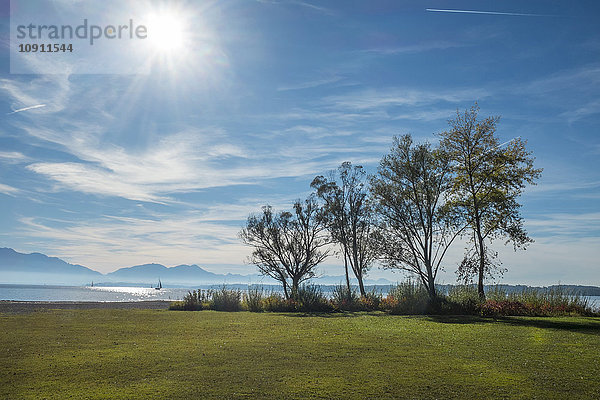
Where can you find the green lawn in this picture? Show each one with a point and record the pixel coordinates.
(169, 355)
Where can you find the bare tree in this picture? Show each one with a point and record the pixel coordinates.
(288, 245)
(349, 217)
(489, 177)
(410, 190)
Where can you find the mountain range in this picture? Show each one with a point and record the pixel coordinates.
(39, 269)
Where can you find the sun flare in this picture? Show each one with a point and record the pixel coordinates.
(166, 32)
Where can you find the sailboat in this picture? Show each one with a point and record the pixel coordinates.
(159, 285)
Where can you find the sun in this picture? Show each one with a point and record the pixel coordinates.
(166, 32)
(180, 39)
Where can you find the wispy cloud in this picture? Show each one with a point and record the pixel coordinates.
(370, 99)
(89, 179)
(572, 187)
(585, 78)
(580, 85)
(304, 4)
(12, 157)
(310, 84)
(184, 162)
(188, 159)
(160, 166)
(315, 132)
(8, 190)
(566, 224)
(415, 48)
(487, 12)
(111, 242)
(312, 6)
(552, 260)
(584, 111)
(555, 256)
(48, 93)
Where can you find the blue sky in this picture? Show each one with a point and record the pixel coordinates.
(258, 97)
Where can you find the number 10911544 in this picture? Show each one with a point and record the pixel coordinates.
(45, 48)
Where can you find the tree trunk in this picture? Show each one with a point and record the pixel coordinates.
(431, 284)
(361, 286)
(481, 269)
(347, 276)
(295, 285)
(285, 290)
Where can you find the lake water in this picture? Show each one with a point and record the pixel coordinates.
(594, 301)
(111, 294)
(81, 293)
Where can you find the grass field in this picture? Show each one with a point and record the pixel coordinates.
(161, 354)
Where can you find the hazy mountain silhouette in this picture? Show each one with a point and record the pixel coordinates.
(17, 267)
(37, 268)
(176, 275)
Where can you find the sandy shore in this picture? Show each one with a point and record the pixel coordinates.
(30, 306)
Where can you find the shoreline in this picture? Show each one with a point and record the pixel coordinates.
(18, 306)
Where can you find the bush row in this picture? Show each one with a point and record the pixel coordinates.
(407, 298)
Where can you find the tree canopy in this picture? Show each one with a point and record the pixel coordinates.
(411, 191)
(489, 176)
(350, 217)
(287, 246)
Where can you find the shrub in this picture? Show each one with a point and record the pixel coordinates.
(535, 302)
(344, 299)
(195, 300)
(176, 306)
(226, 299)
(388, 303)
(463, 299)
(311, 298)
(554, 297)
(276, 303)
(406, 298)
(496, 293)
(493, 308)
(253, 299)
(528, 302)
(370, 301)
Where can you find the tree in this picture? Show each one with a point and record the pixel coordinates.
(488, 180)
(288, 245)
(411, 189)
(349, 217)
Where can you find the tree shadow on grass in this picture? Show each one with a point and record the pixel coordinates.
(343, 314)
(587, 325)
(458, 319)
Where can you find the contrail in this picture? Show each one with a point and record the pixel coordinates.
(507, 142)
(27, 108)
(500, 145)
(487, 12)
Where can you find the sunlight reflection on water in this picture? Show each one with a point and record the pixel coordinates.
(123, 289)
(82, 293)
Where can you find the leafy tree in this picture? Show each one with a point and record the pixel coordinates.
(349, 217)
(489, 177)
(411, 189)
(335, 199)
(288, 245)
